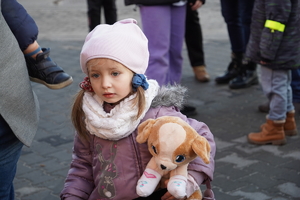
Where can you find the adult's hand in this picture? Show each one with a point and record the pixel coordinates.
(196, 5)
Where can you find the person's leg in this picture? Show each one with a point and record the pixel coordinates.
(10, 149)
(231, 15)
(295, 84)
(194, 44)
(296, 89)
(275, 84)
(247, 73)
(246, 7)
(20, 23)
(94, 13)
(110, 11)
(193, 37)
(42, 69)
(178, 14)
(158, 18)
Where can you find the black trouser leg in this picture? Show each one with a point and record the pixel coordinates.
(110, 11)
(94, 13)
(193, 38)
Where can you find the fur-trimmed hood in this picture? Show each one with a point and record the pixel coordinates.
(170, 95)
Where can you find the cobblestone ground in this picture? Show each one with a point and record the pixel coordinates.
(243, 171)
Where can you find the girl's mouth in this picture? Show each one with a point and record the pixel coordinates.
(108, 95)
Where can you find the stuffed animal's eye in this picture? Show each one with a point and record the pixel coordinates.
(180, 158)
(154, 149)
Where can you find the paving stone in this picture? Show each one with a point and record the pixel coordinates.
(36, 177)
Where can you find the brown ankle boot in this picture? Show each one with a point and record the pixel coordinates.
(290, 127)
(201, 73)
(272, 132)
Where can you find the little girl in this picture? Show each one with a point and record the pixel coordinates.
(115, 98)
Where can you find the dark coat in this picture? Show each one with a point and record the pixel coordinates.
(280, 49)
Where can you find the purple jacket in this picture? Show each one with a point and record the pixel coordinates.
(104, 169)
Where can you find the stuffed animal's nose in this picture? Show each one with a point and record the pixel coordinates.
(163, 167)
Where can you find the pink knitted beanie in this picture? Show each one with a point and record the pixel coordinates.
(123, 41)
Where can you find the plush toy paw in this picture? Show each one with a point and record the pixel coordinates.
(177, 186)
(147, 183)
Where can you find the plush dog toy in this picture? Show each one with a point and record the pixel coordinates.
(173, 144)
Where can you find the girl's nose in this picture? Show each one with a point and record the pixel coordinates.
(105, 82)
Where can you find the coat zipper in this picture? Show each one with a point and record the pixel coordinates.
(137, 153)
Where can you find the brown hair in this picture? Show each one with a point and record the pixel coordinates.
(78, 115)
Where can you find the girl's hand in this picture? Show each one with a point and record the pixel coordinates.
(168, 196)
(196, 5)
(263, 62)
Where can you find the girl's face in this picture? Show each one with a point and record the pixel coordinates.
(111, 81)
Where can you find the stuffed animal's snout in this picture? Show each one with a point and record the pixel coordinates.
(167, 167)
(165, 164)
(163, 167)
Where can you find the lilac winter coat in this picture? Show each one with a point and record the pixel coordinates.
(105, 169)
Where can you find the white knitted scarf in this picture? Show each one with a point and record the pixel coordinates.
(121, 121)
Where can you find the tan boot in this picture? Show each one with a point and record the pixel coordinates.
(201, 73)
(272, 132)
(290, 127)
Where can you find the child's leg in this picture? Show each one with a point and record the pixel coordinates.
(276, 86)
(40, 67)
(32, 50)
(20, 23)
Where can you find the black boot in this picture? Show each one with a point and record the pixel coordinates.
(43, 70)
(232, 69)
(247, 76)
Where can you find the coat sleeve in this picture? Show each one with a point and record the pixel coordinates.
(278, 12)
(79, 182)
(197, 168)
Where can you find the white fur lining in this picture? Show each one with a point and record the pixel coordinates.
(121, 121)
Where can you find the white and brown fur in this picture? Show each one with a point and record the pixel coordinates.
(171, 136)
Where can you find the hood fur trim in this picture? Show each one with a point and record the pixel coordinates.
(170, 95)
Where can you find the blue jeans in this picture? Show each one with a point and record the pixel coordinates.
(296, 85)
(237, 15)
(10, 150)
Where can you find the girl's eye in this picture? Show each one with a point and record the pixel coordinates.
(95, 75)
(180, 158)
(115, 73)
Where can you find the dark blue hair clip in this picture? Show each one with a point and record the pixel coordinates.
(139, 80)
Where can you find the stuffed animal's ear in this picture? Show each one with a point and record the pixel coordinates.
(202, 148)
(144, 130)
